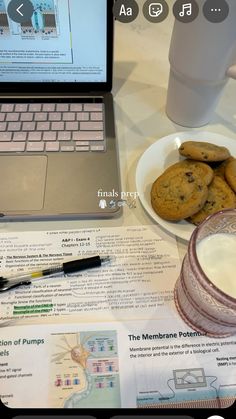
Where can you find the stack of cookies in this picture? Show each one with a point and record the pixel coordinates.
(200, 185)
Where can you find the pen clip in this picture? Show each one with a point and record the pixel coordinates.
(7, 285)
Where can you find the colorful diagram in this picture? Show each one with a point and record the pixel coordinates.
(43, 21)
(85, 370)
(189, 388)
(4, 24)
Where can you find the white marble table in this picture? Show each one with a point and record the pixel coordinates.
(140, 86)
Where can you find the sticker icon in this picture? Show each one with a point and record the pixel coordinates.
(155, 12)
(155, 9)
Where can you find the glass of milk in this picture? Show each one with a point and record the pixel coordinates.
(205, 292)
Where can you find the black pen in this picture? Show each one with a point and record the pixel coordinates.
(67, 268)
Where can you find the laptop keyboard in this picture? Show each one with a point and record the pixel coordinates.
(51, 127)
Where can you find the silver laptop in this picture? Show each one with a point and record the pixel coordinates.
(58, 154)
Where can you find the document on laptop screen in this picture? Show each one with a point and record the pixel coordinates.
(63, 41)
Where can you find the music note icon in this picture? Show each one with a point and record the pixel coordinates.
(186, 10)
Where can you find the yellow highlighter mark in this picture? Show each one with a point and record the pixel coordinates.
(37, 274)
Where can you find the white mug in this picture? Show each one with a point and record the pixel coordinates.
(202, 58)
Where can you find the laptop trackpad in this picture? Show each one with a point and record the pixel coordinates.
(22, 182)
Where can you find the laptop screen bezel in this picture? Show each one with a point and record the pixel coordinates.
(56, 88)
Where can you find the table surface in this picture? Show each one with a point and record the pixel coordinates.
(140, 87)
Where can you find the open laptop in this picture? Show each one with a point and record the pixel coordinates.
(58, 153)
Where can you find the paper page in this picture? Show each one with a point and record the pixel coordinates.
(138, 284)
(83, 365)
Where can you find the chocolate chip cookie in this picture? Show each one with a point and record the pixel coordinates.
(230, 174)
(220, 197)
(197, 150)
(219, 169)
(202, 169)
(178, 194)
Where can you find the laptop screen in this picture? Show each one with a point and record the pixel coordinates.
(56, 41)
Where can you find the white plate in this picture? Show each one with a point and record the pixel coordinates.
(157, 158)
